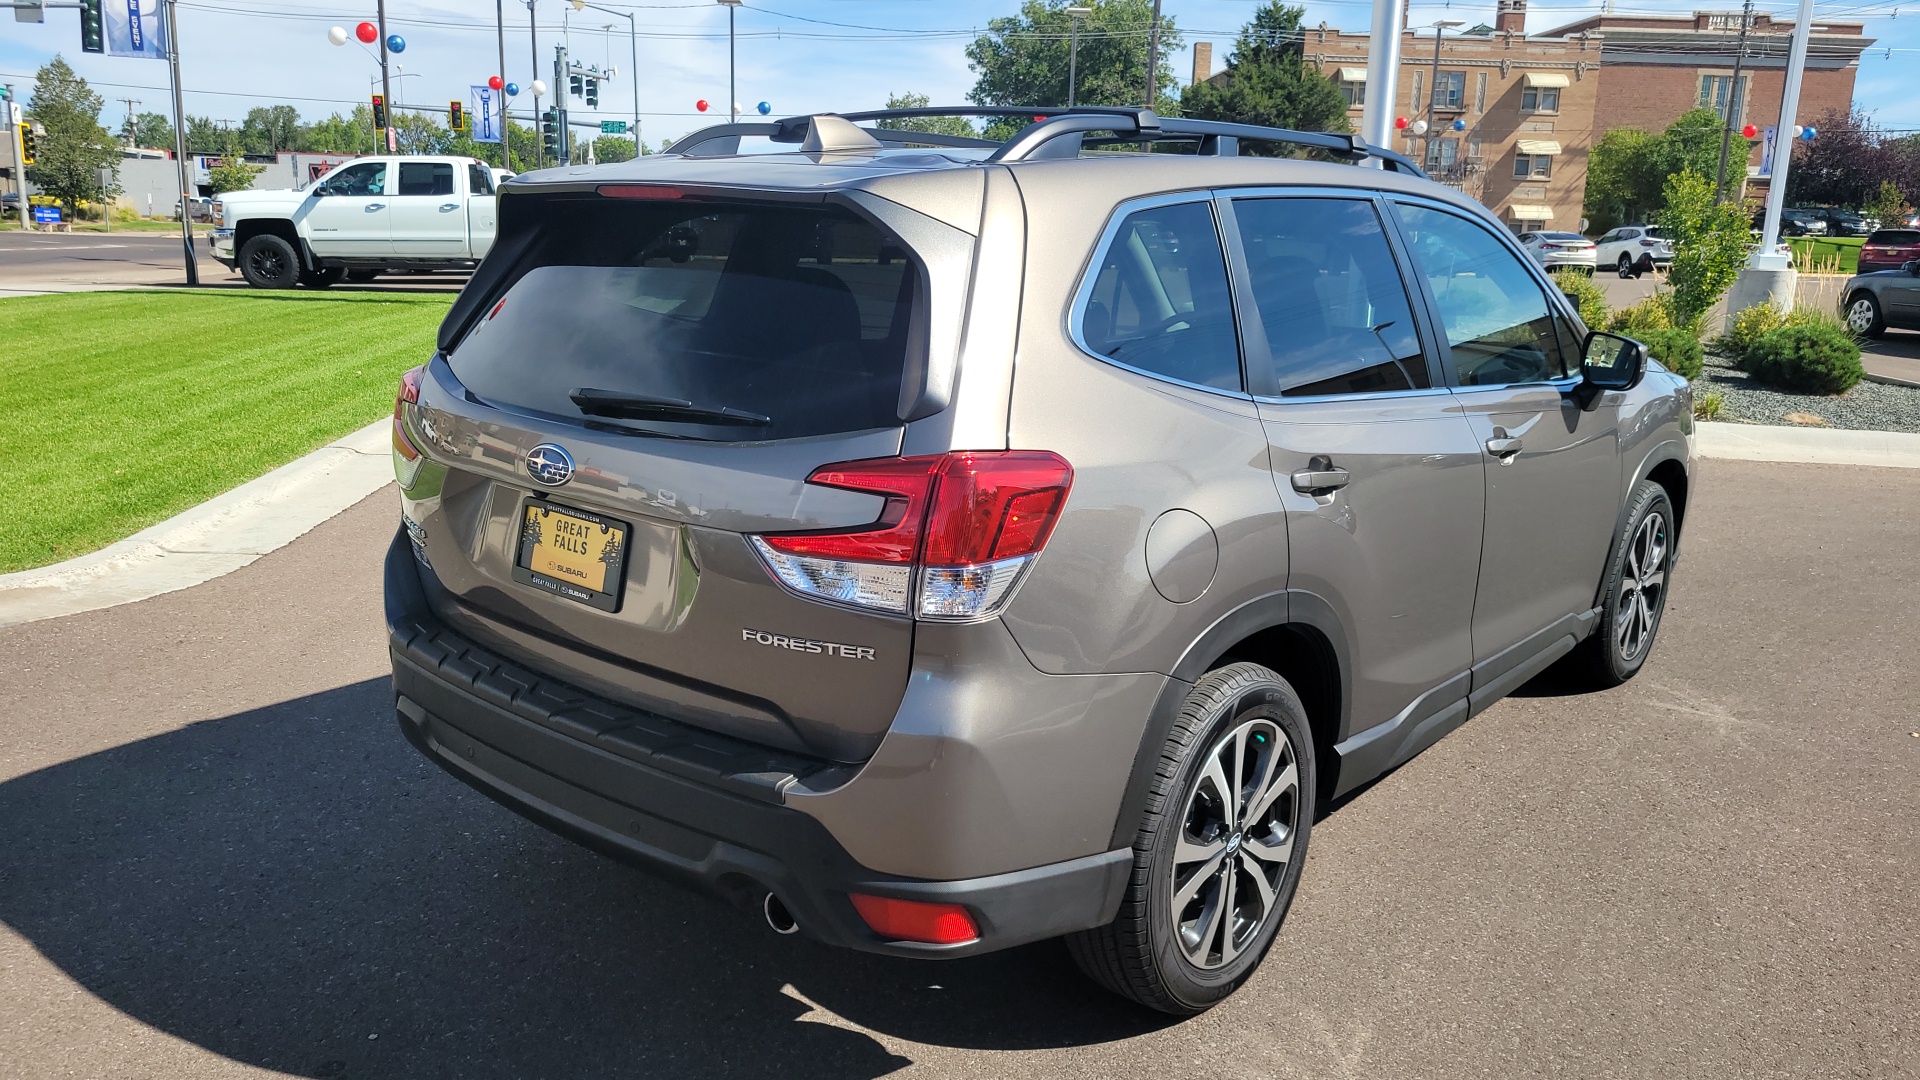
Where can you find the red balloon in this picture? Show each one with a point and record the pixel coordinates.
(367, 32)
(1749, 131)
(701, 104)
(1400, 121)
(495, 82)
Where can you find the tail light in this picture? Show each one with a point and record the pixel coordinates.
(914, 920)
(406, 456)
(1649, 243)
(956, 534)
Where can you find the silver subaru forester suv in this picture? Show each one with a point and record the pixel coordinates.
(939, 544)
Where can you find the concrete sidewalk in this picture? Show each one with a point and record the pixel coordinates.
(1818, 446)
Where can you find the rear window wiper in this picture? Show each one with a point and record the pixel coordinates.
(645, 407)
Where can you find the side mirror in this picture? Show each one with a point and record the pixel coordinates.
(1611, 362)
(1911, 266)
(320, 191)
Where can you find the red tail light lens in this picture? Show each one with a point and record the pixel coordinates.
(972, 520)
(406, 456)
(639, 191)
(911, 920)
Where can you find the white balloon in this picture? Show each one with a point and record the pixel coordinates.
(337, 35)
(539, 88)
(1419, 127)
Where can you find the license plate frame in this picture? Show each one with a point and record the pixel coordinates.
(553, 570)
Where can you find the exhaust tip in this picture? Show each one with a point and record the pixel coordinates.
(778, 917)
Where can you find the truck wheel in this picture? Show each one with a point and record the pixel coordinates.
(268, 262)
(361, 276)
(1219, 850)
(323, 277)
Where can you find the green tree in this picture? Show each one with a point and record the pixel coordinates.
(1023, 59)
(613, 148)
(1267, 82)
(270, 130)
(340, 135)
(149, 129)
(204, 136)
(1709, 244)
(1627, 169)
(75, 147)
(934, 125)
(234, 173)
(1888, 206)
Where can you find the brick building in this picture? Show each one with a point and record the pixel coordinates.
(1529, 106)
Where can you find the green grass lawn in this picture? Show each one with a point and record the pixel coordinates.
(1843, 249)
(121, 409)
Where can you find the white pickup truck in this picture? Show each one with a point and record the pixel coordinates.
(366, 216)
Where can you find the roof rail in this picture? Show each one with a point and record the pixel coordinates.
(1054, 133)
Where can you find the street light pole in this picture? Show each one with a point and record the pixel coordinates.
(633, 44)
(179, 146)
(1153, 57)
(386, 89)
(733, 99)
(500, 29)
(533, 29)
(1767, 256)
(1433, 92)
(1383, 74)
(1073, 51)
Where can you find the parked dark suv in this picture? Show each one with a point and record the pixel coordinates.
(941, 544)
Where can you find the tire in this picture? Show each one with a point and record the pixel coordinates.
(269, 262)
(1641, 567)
(1177, 957)
(1863, 315)
(322, 278)
(1626, 266)
(361, 276)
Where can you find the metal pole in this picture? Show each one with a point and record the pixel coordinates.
(386, 87)
(500, 28)
(1768, 255)
(1073, 61)
(1733, 97)
(179, 144)
(1383, 73)
(1433, 90)
(733, 95)
(565, 140)
(539, 148)
(633, 77)
(14, 116)
(1153, 57)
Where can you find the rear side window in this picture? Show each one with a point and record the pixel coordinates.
(786, 321)
(1160, 302)
(480, 179)
(1330, 297)
(426, 178)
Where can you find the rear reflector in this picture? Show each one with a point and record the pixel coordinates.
(911, 920)
(640, 191)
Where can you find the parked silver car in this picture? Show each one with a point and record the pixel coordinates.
(940, 544)
(1874, 301)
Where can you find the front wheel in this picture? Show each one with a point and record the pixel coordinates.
(1863, 316)
(269, 262)
(1635, 590)
(1219, 851)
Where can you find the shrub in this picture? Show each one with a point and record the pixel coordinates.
(1811, 358)
(1709, 405)
(1747, 328)
(1638, 320)
(1709, 244)
(1676, 348)
(1588, 298)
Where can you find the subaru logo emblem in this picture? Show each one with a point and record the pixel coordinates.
(550, 465)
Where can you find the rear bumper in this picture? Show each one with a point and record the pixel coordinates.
(671, 798)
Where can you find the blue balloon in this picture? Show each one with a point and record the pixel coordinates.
(1806, 134)
(1459, 125)
(396, 43)
(513, 89)
(764, 108)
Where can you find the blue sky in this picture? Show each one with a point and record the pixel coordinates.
(799, 55)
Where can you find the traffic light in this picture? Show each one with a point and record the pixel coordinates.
(28, 148)
(456, 117)
(380, 112)
(593, 93)
(550, 132)
(573, 85)
(93, 34)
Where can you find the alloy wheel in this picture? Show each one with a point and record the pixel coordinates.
(1860, 316)
(1236, 839)
(1643, 587)
(267, 264)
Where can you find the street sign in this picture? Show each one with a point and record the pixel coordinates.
(613, 127)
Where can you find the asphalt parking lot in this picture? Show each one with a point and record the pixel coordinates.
(218, 858)
(33, 261)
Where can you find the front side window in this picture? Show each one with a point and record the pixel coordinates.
(1330, 297)
(480, 179)
(365, 179)
(1160, 301)
(1499, 325)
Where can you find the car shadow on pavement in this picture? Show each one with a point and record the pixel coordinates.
(296, 888)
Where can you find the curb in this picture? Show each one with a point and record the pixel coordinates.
(1814, 446)
(212, 539)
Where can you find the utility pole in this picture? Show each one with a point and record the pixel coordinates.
(1433, 91)
(1153, 57)
(1073, 52)
(733, 95)
(386, 86)
(533, 30)
(506, 137)
(179, 144)
(130, 103)
(1383, 75)
(1734, 98)
(564, 141)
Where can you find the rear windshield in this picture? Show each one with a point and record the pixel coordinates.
(1895, 236)
(1561, 236)
(788, 321)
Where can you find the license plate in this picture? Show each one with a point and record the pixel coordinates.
(579, 555)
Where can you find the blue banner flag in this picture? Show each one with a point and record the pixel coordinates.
(487, 117)
(135, 28)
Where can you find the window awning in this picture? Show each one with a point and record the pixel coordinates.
(1353, 74)
(1541, 78)
(1530, 212)
(1545, 147)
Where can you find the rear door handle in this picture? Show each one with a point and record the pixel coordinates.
(1321, 478)
(371, 207)
(1504, 447)
(446, 206)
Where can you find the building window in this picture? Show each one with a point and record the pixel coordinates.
(1442, 153)
(1718, 91)
(1419, 81)
(1480, 93)
(1450, 90)
(1532, 166)
(1473, 147)
(1527, 225)
(1540, 99)
(1355, 93)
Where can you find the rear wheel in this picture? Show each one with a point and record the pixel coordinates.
(269, 262)
(1863, 315)
(1626, 266)
(1635, 593)
(1219, 851)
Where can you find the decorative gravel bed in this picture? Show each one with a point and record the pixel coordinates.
(1869, 406)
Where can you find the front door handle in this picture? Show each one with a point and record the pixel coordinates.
(1319, 477)
(446, 206)
(371, 207)
(1503, 447)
